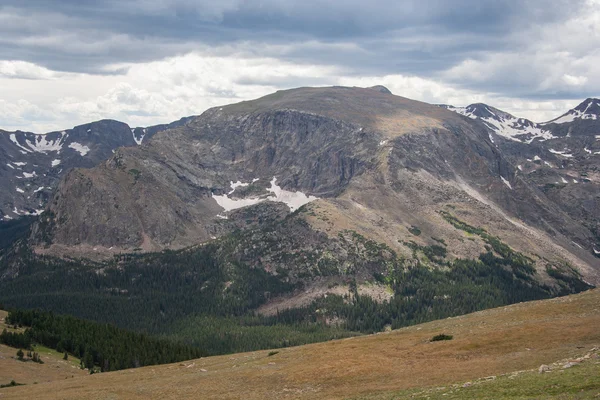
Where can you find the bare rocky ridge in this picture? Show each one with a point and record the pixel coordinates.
(560, 158)
(33, 164)
(379, 164)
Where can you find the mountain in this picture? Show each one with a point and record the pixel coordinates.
(503, 123)
(305, 215)
(34, 163)
(356, 159)
(559, 157)
(588, 110)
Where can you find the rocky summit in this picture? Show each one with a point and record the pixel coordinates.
(307, 171)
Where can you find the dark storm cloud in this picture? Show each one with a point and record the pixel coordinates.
(419, 37)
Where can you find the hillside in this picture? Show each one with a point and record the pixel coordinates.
(53, 368)
(489, 343)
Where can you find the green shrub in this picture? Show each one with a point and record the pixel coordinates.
(414, 230)
(441, 336)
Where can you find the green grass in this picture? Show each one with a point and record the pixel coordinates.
(46, 351)
(579, 382)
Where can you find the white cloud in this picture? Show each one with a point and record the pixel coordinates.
(164, 91)
(545, 59)
(155, 92)
(575, 80)
(25, 70)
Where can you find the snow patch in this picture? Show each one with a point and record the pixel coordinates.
(561, 153)
(78, 147)
(537, 158)
(55, 162)
(38, 189)
(141, 139)
(506, 125)
(235, 185)
(564, 180)
(13, 139)
(506, 182)
(10, 166)
(29, 175)
(20, 164)
(572, 115)
(41, 144)
(382, 142)
(20, 190)
(293, 200)
(520, 167)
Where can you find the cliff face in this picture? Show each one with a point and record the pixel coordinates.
(359, 159)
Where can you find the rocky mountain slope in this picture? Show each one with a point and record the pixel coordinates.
(560, 157)
(32, 164)
(348, 163)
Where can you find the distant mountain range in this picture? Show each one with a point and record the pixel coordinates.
(524, 130)
(32, 164)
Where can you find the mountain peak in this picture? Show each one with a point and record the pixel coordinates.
(590, 106)
(381, 88)
(503, 123)
(589, 109)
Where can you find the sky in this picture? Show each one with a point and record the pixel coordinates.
(144, 62)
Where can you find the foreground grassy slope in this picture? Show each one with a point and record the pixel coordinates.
(53, 368)
(385, 365)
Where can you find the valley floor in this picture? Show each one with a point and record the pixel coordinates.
(398, 364)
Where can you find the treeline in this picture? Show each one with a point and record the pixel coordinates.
(206, 297)
(424, 294)
(97, 345)
(146, 293)
(225, 335)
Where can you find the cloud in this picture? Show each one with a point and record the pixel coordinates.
(25, 70)
(150, 61)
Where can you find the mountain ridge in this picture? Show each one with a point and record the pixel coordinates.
(35, 162)
(375, 162)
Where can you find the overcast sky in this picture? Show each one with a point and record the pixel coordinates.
(67, 62)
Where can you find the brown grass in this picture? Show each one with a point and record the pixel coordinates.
(491, 342)
(54, 367)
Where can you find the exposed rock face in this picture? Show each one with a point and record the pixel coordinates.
(560, 158)
(32, 164)
(377, 163)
